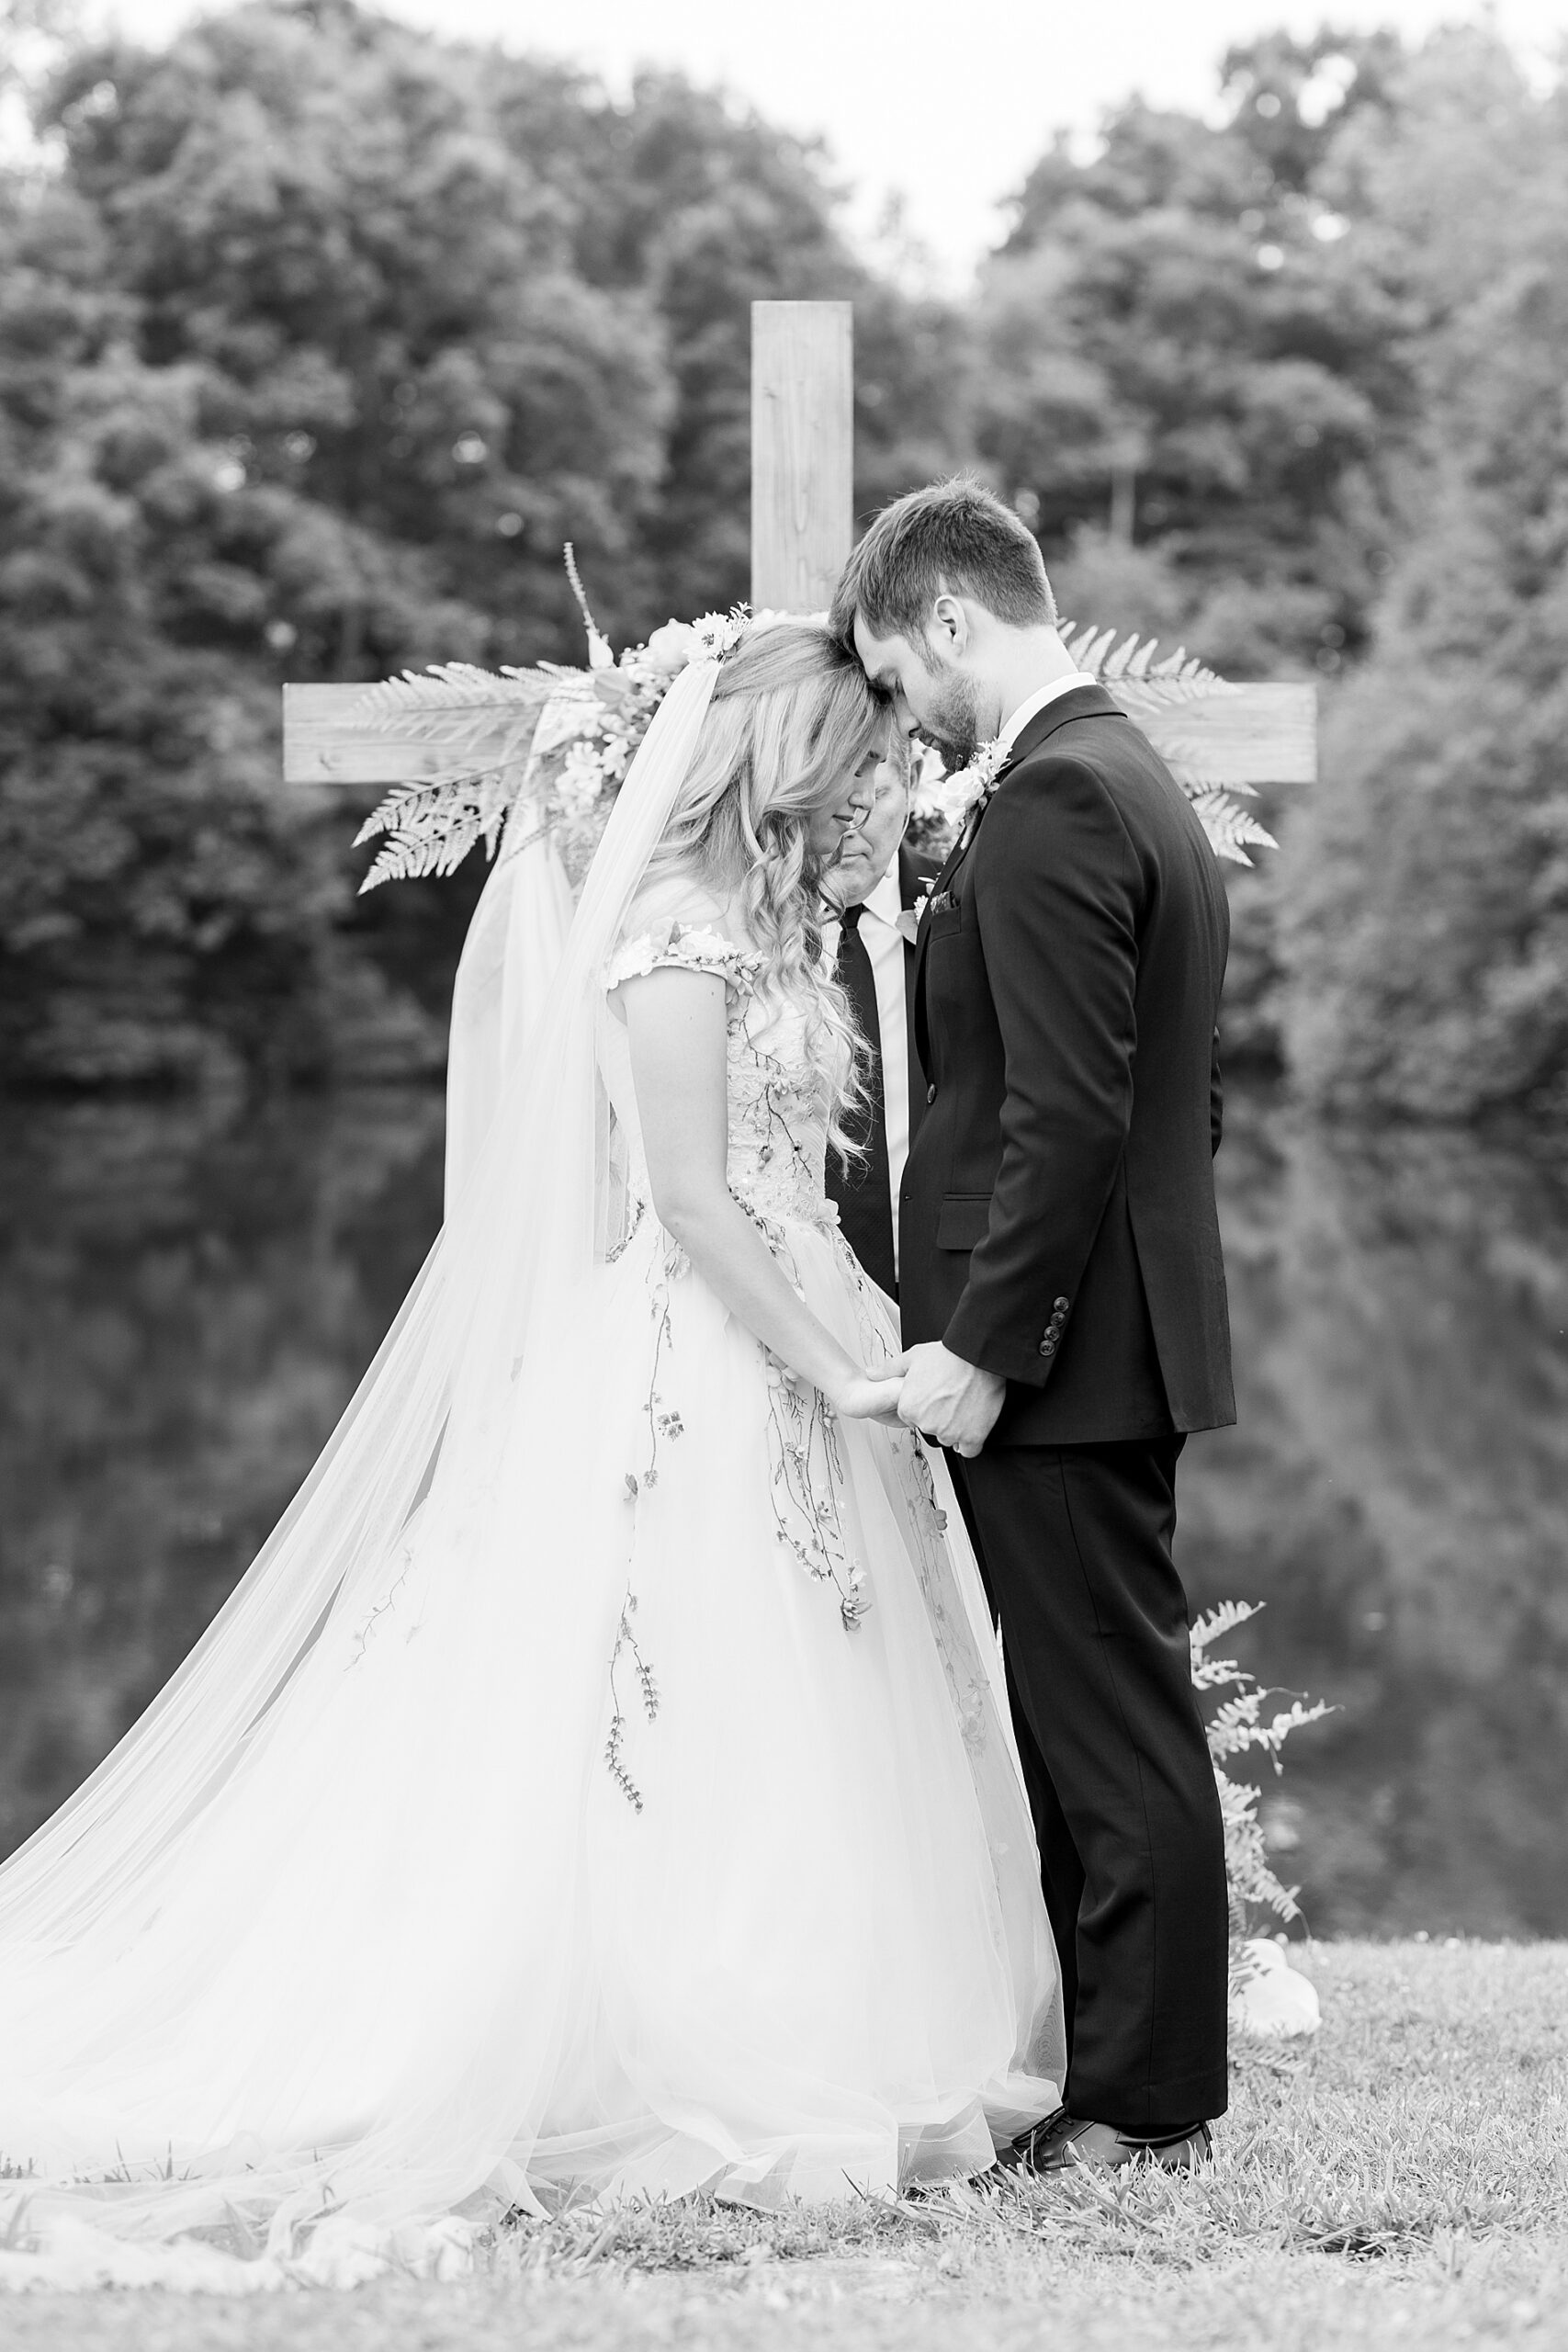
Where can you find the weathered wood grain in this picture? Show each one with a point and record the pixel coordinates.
(1263, 734)
(802, 452)
(1253, 734)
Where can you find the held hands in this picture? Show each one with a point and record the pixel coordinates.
(863, 1396)
(947, 1399)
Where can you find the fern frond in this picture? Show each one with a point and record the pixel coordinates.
(1092, 647)
(1218, 1674)
(458, 686)
(478, 716)
(1215, 1624)
(1142, 684)
(1235, 1727)
(1230, 828)
(1148, 690)
(432, 826)
(1252, 1882)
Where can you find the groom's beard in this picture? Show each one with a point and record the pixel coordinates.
(951, 722)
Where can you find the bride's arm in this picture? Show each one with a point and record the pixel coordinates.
(675, 1028)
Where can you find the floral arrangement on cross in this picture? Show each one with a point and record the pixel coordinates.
(548, 746)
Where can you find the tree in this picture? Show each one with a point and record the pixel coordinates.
(1427, 888)
(323, 338)
(1184, 349)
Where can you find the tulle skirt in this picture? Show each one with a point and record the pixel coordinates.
(652, 1825)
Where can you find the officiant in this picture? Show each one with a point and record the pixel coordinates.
(875, 885)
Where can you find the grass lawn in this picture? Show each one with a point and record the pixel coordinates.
(1403, 2179)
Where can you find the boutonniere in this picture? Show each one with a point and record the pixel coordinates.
(909, 917)
(947, 801)
(979, 780)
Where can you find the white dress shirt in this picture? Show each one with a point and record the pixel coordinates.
(885, 946)
(1008, 733)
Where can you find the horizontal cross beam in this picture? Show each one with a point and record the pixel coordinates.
(1262, 734)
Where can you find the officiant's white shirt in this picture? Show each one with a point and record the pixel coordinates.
(885, 946)
(1012, 729)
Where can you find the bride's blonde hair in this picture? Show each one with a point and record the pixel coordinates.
(790, 719)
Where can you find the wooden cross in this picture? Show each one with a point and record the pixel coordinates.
(802, 529)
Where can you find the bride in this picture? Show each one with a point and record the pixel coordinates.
(601, 1783)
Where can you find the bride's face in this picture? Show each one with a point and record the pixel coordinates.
(830, 826)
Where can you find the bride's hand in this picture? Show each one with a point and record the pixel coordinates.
(873, 1395)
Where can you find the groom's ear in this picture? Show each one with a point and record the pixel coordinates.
(948, 627)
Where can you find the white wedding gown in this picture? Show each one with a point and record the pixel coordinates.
(651, 1824)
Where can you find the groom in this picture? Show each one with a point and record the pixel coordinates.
(1062, 1287)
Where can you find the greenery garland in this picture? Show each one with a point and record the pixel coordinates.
(555, 742)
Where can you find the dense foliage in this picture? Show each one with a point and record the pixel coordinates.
(318, 336)
(1427, 895)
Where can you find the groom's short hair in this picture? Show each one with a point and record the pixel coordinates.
(953, 534)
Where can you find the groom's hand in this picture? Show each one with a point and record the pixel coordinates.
(947, 1399)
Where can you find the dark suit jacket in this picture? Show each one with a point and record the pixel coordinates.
(1057, 1219)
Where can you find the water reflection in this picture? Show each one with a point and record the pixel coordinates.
(1397, 1492)
(187, 1295)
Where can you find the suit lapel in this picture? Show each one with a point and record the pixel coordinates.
(914, 875)
(1082, 702)
(917, 973)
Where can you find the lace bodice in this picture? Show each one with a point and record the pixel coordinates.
(779, 1096)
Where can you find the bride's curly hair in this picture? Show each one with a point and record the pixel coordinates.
(791, 717)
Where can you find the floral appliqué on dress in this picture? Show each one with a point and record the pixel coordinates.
(778, 1108)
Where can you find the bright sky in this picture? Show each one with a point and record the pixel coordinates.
(947, 102)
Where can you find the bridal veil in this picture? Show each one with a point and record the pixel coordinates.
(352, 1675)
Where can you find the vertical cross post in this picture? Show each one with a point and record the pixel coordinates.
(802, 520)
(802, 452)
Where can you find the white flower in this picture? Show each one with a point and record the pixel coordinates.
(582, 778)
(720, 633)
(670, 649)
(950, 800)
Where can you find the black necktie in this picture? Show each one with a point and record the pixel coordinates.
(861, 1191)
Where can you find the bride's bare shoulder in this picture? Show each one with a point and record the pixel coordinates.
(677, 899)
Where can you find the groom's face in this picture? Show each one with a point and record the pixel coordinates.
(933, 696)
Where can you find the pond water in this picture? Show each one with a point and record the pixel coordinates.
(189, 1292)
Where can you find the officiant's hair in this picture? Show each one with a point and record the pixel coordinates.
(953, 534)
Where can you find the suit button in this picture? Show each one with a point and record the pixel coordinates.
(931, 1094)
(1047, 1347)
(1061, 1304)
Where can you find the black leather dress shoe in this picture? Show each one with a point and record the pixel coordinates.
(1063, 2141)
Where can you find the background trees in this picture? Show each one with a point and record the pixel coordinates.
(1180, 352)
(1426, 893)
(318, 337)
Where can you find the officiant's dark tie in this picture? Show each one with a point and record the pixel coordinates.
(865, 1204)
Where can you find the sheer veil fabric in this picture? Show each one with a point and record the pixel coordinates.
(287, 1984)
